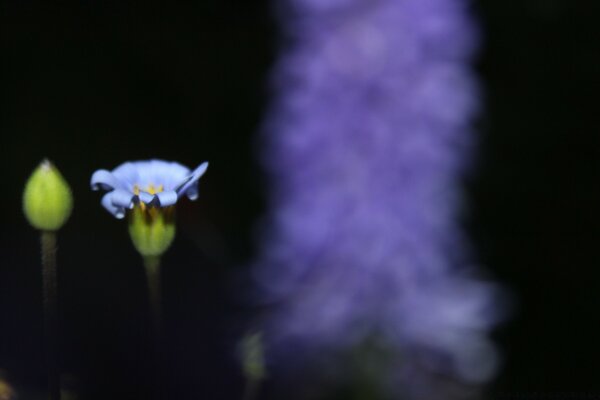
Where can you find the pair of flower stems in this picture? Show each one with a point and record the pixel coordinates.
(147, 189)
(148, 192)
(50, 306)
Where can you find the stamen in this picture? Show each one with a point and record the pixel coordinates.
(150, 189)
(154, 189)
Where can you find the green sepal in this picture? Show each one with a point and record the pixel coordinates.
(152, 229)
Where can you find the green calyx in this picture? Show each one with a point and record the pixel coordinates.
(47, 199)
(152, 229)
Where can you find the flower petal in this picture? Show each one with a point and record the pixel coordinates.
(152, 172)
(167, 198)
(123, 198)
(192, 192)
(146, 197)
(127, 172)
(105, 180)
(126, 180)
(107, 203)
(168, 174)
(192, 179)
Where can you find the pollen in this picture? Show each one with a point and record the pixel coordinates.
(150, 189)
(154, 189)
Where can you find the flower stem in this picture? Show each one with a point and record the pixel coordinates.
(50, 304)
(251, 389)
(152, 266)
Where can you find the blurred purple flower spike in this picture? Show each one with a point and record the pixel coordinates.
(156, 183)
(366, 145)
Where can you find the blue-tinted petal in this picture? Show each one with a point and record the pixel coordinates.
(173, 178)
(146, 197)
(169, 174)
(105, 180)
(167, 198)
(152, 172)
(193, 178)
(123, 198)
(192, 192)
(127, 173)
(107, 203)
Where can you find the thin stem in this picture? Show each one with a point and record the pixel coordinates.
(152, 266)
(251, 389)
(49, 282)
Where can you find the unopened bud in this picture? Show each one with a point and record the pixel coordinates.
(47, 199)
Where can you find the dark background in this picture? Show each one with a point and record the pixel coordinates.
(91, 84)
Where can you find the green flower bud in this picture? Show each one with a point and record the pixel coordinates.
(152, 229)
(47, 199)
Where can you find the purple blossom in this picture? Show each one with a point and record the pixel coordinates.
(366, 145)
(155, 183)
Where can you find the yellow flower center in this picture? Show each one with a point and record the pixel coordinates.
(151, 189)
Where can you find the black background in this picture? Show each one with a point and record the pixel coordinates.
(91, 84)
